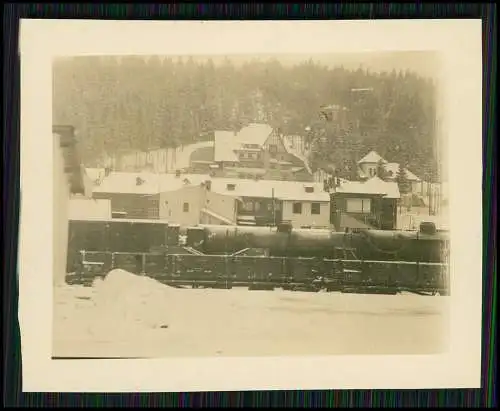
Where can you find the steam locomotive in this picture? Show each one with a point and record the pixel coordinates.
(426, 245)
(216, 255)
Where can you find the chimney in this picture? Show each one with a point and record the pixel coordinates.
(208, 185)
(107, 171)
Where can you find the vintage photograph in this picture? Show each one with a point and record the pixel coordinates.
(249, 205)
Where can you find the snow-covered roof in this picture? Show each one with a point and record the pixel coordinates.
(393, 169)
(374, 186)
(155, 183)
(227, 142)
(151, 183)
(283, 190)
(254, 133)
(372, 157)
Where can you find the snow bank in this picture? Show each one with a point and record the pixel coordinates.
(133, 299)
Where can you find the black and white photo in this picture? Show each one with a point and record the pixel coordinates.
(245, 204)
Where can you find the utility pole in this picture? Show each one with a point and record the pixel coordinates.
(429, 191)
(274, 208)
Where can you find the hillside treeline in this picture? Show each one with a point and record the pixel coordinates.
(146, 103)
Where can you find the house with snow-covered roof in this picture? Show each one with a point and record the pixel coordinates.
(369, 165)
(258, 150)
(269, 202)
(365, 204)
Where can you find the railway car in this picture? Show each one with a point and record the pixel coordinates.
(118, 236)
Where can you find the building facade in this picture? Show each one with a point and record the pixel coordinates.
(270, 202)
(370, 204)
(257, 151)
(68, 179)
(193, 205)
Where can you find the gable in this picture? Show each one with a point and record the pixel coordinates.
(275, 139)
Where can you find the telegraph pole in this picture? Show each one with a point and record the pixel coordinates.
(274, 208)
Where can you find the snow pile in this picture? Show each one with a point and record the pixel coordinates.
(127, 298)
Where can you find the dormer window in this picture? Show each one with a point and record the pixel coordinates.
(231, 187)
(309, 189)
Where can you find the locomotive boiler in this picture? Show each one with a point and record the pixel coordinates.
(425, 245)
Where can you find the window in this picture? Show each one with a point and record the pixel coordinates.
(309, 189)
(315, 208)
(185, 207)
(153, 209)
(231, 187)
(297, 208)
(273, 148)
(358, 205)
(372, 172)
(247, 206)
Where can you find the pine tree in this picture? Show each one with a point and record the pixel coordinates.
(402, 180)
(133, 103)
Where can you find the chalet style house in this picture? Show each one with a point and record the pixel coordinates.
(259, 152)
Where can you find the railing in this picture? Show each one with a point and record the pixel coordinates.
(252, 271)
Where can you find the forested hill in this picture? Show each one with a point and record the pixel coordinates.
(146, 103)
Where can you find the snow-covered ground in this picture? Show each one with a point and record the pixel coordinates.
(130, 316)
(410, 220)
